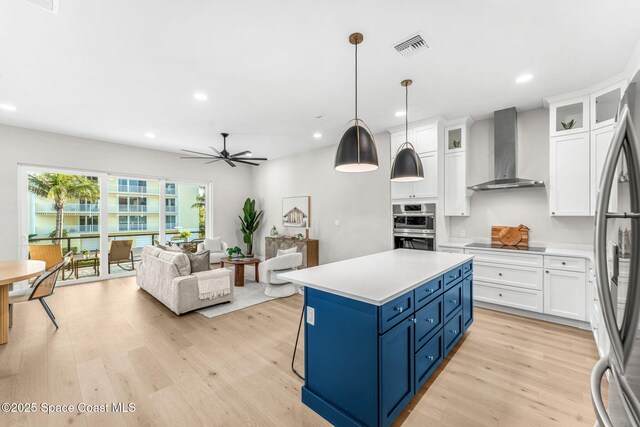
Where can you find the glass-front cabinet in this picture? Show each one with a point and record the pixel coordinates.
(604, 106)
(455, 138)
(569, 117)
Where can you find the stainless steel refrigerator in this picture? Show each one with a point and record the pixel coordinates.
(620, 310)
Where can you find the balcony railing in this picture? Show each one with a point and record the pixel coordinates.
(171, 226)
(83, 228)
(134, 208)
(68, 208)
(138, 189)
(170, 208)
(132, 227)
(170, 191)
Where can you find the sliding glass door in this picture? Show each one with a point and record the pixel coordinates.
(105, 220)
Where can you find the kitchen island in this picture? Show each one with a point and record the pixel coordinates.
(376, 327)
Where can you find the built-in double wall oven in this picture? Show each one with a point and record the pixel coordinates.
(414, 226)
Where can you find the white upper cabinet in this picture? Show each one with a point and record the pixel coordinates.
(455, 138)
(569, 117)
(456, 202)
(604, 105)
(569, 173)
(600, 141)
(426, 138)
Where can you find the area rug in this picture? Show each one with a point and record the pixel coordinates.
(251, 293)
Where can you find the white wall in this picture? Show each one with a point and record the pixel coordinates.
(21, 146)
(361, 202)
(528, 206)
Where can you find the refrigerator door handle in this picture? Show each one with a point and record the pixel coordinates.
(621, 340)
(596, 392)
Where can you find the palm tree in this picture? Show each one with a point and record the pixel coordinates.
(200, 205)
(61, 188)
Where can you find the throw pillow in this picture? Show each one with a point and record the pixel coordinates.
(199, 261)
(281, 252)
(213, 245)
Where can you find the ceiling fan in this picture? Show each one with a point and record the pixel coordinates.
(224, 155)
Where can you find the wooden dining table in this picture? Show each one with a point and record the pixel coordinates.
(12, 272)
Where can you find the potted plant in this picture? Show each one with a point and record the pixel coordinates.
(184, 235)
(234, 252)
(85, 253)
(250, 222)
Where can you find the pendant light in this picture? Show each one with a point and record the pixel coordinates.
(357, 150)
(407, 165)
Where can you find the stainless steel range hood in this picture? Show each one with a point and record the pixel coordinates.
(506, 155)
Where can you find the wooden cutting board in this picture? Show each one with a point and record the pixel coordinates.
(510, 236)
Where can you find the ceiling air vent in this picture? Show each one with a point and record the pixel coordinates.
(48, 5)
(411, 46)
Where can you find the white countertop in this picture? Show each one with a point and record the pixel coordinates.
(378, 278)
(580, 252)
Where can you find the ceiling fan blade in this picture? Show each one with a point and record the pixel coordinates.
(212, 161)
(242, 153)
(256, 159)
(216, 151)
(196, 152)
(195, 157)
(229, 163)
(247, 163)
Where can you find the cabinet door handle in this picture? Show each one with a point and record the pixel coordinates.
(547, 271)
(430, 357)
(500, 295)
(415, 320)
(430, 320)
(431, 291)
(553, 213)
(400, 309)
(499, 274)
(454, 331)
(454, 301)
(564, 263)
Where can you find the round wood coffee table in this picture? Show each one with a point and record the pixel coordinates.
(239, 264)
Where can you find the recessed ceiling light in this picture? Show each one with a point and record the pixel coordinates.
(317, 135)
(400, 113)
(524, 78)
(7, 107)
(200, 96)
(150, 135)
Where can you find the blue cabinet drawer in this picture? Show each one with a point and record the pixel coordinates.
(429, 320)
(452, 276)
(427, 292)
(428, 359)
(452, 301)
(395, 311)
(467, 268)
(452, 332)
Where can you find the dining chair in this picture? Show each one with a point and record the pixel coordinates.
(120, 251)
(43, 287)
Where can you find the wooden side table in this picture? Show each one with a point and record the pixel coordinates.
(239, 264)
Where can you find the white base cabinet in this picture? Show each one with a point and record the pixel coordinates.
(564, 294)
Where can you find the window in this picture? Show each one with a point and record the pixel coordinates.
(170, 205)
(190, 208)
(171, 222)
(132, 223)
(132, 204)
(132, 186)
(170, 188)
(88, 224)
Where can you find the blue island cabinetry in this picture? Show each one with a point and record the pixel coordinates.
(364, 363)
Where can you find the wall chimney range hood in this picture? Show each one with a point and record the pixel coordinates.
(506, 155)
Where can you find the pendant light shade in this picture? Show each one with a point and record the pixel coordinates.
(407, 165)
(357, 150)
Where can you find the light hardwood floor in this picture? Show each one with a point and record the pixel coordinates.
(117, 344)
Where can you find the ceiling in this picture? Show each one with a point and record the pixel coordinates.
(115, 70)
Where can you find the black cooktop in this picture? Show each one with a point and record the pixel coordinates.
(508, 248)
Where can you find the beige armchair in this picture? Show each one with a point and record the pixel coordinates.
(216, 247)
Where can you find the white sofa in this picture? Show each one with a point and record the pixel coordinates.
(271, 268)
(166, 275)
(216, 247)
